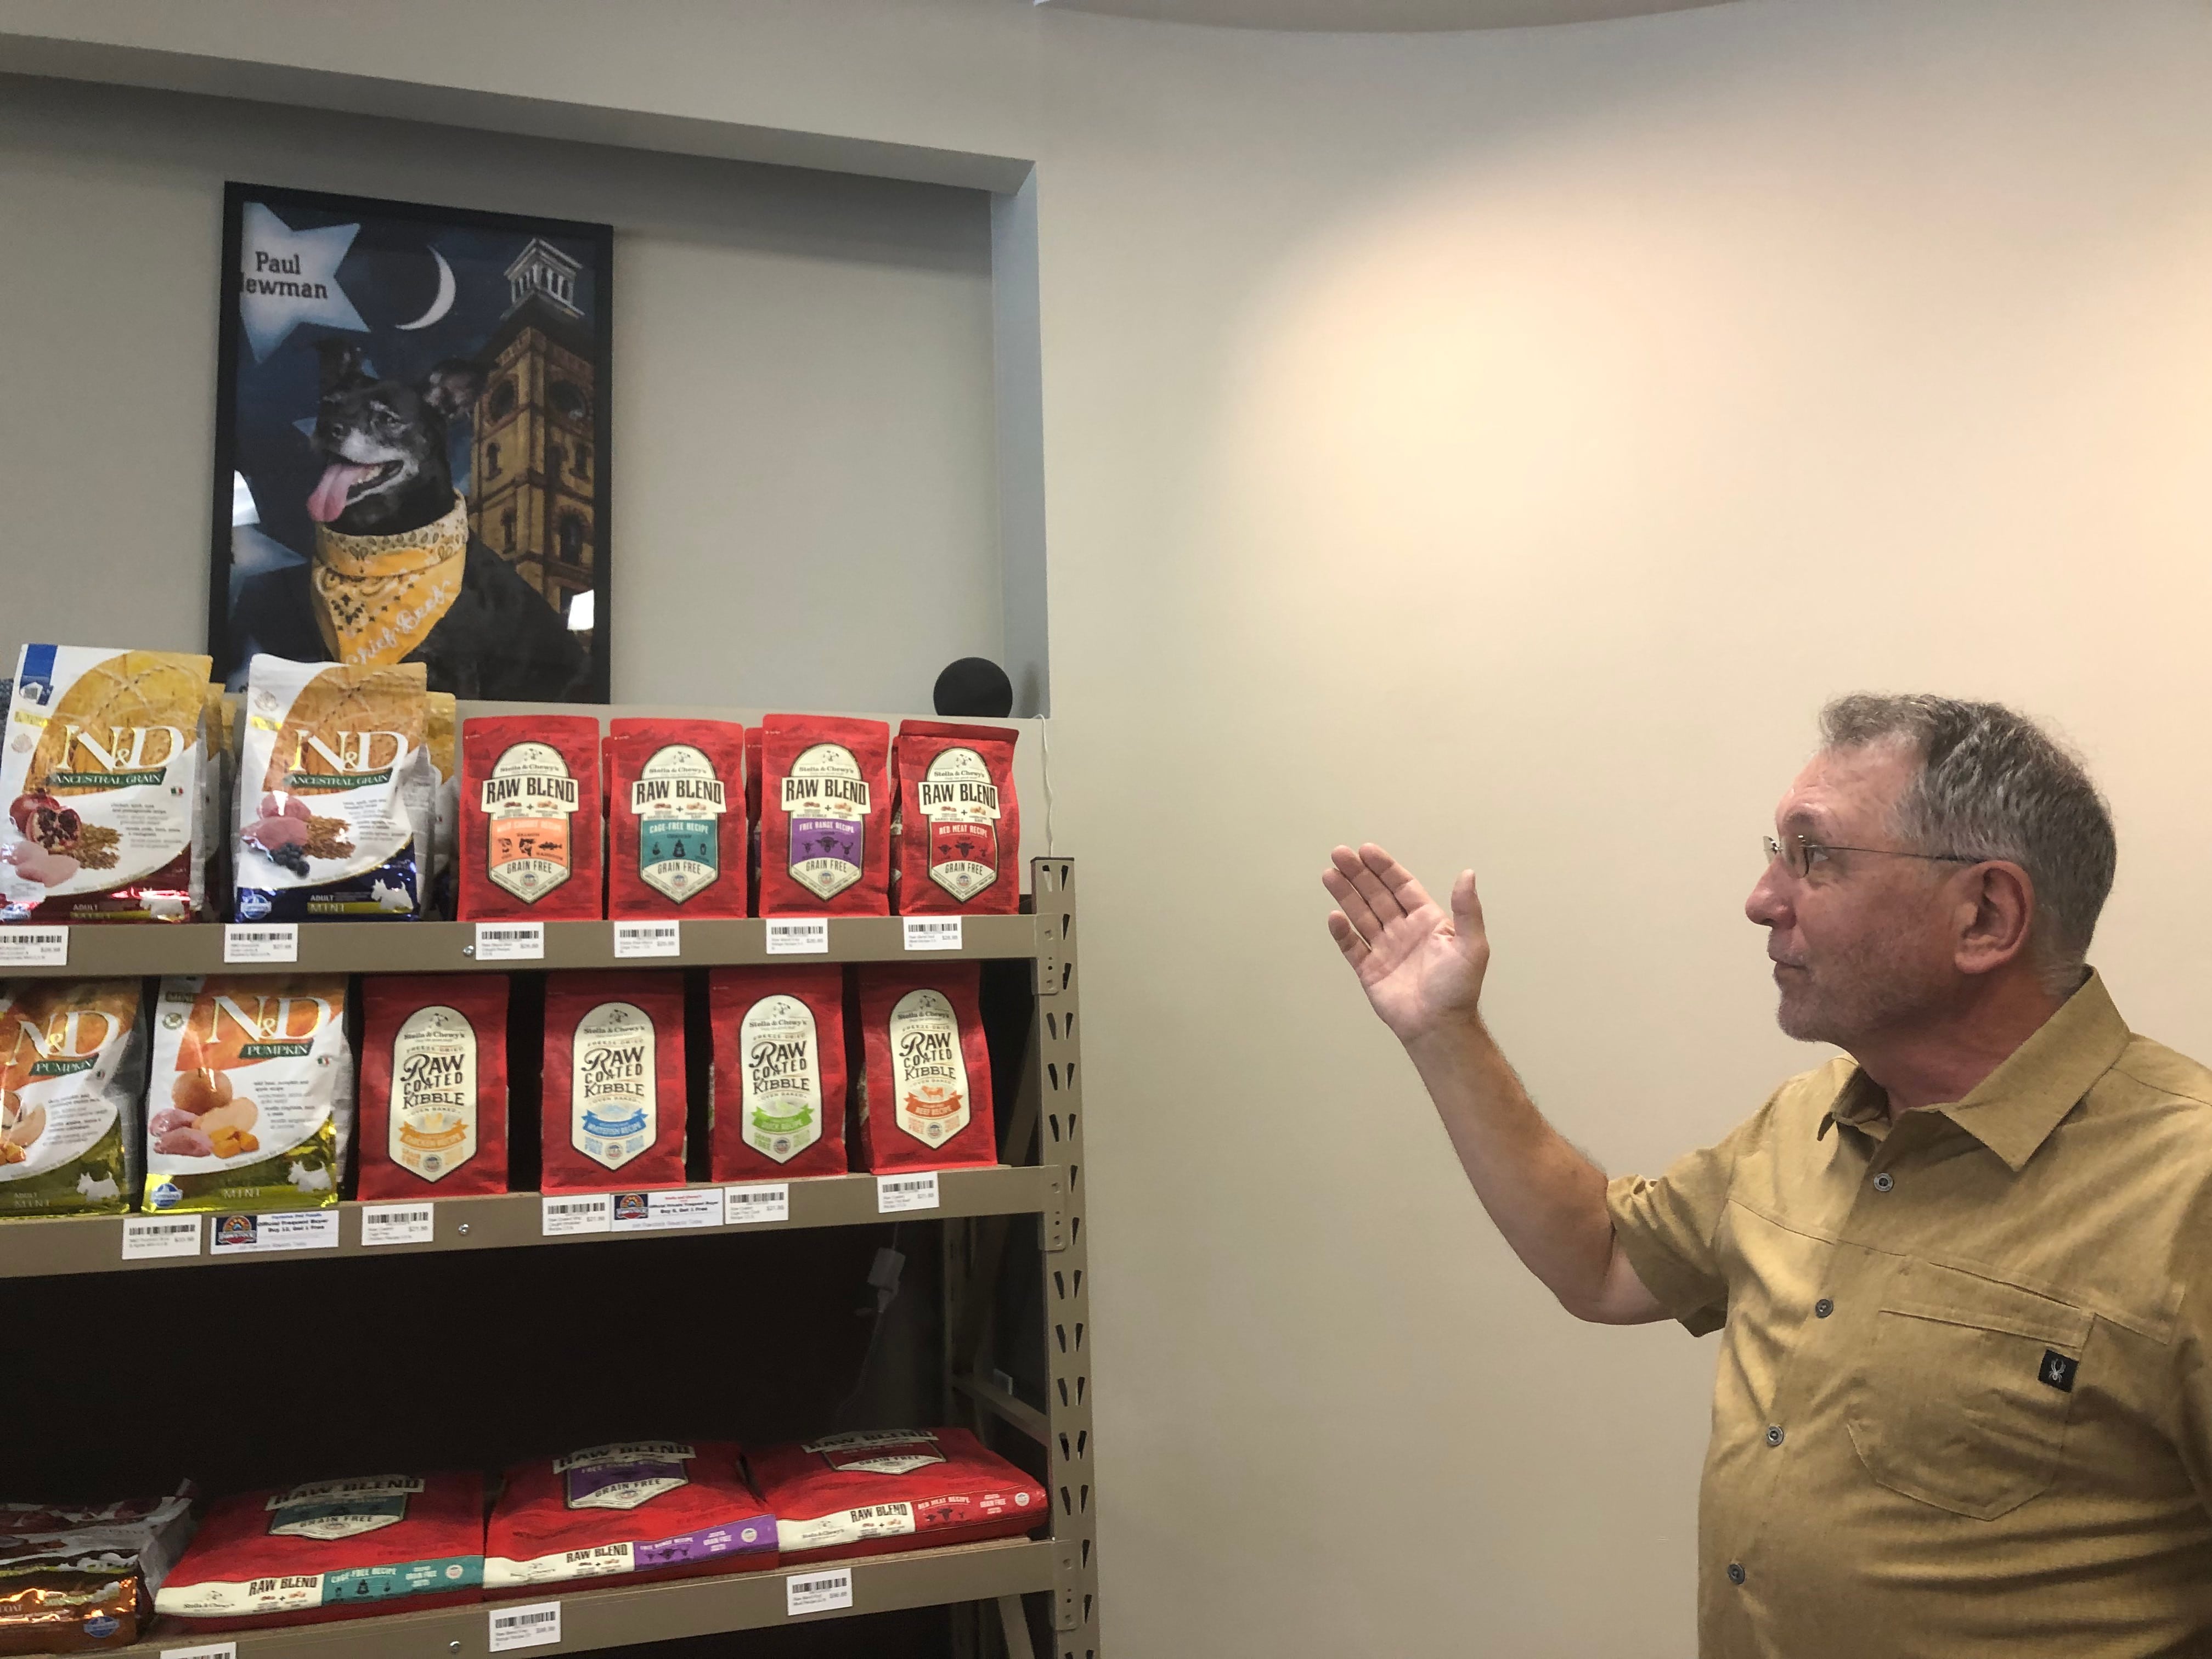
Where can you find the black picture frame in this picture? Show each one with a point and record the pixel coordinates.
(283, 589)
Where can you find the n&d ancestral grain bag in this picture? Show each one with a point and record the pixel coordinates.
(825, 817)
(433, 1086)
(642, 1509)
(530, 818)
(613, 1112)
(81, 1578)
(676, 826)
(251, 1099)
(101, 769)
(72, 1079)
(960, 826)
(779, 1073)
(878, 1490)
(331, 1549)
(925, 1089)
(335, 792)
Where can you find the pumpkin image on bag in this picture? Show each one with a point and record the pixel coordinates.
(433, 1086)
(676, 820)
(825, 817)
(530, 818)
(72, 1073)
(100, 771)
(613, 1117)
(779, 1076)
(925, 1089)
(959, 826)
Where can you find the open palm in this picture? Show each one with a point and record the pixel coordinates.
(1421, 968)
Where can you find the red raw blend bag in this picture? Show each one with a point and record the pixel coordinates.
(633, 1512)
(959, 824)
(779, 1072)
(529, 843)
(331, 1549)
(675, 824)
(880, 1490)
(433, 1086)
(825, 817)
(613, 1113)
(925, 1084)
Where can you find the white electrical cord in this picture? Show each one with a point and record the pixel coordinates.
(1044, 749)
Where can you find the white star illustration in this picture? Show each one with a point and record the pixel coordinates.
(290, 277)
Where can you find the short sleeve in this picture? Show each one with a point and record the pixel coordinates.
(1667, 1227)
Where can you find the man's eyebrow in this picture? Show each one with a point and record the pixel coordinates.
(1804, 821)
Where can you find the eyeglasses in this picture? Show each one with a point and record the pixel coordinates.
(1801, 855)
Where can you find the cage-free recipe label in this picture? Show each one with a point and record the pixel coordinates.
(34, 947)
(825, 1591)
(536, 1626)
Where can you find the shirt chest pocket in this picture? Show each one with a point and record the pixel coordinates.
(1964, 1397)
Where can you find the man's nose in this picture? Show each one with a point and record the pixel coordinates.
(1768, 905)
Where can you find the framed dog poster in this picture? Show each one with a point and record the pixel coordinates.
(411, 444)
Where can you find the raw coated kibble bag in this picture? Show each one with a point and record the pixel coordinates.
(250, 1104)
(331, 1549)
(101, 770)
(825, 817)
(779, 1072)
(81, 1578)
(641, 1510)
(924, 1087)
(72, 1081)
(613, 1113)
(675, 824)
(530, 818)
(335, 793)
(879, 1491)
(433, 1086)
(960, 824)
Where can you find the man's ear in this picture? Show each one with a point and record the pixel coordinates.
(342, 362)
(453, 387)
(1999, 901)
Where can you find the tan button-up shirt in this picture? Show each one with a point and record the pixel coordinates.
(1964, 1405)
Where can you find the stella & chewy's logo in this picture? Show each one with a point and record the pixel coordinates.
(122, 757)
(354, 764)
(529, 799)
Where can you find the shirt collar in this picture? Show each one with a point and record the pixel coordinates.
(2012, 1110)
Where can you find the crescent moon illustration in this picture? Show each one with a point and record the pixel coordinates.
(444, 302)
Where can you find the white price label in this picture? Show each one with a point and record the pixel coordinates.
(575, 1212)
(397, 1224)
(906, 1192)
(280, 1229)
(150, 1237)
(660, 1212)
(763, 1202)
(817, 1592)
(799, 936)
(261, 941)
(933, 933)
(510, 941)
(648, 938)
(34, 947)
(212, 1650)
(537, 1626)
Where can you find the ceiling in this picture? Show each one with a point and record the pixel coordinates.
(1376, 16)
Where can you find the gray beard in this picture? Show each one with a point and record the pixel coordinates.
(1853, 998)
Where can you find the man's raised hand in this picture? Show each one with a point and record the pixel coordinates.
(1421, 968)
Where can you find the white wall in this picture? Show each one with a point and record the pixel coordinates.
(1498, 445)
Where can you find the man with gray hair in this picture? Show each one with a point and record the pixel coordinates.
(1964, 1274)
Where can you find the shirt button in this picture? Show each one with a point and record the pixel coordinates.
(1823, 1308)
(1774, 1434)
(1735, 1572)
(1883, 1183)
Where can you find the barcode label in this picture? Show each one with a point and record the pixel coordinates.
(34, 947)
(511, 941)
(656, 1213)
(799, 936)
(648, 938)
(397, 1224)
(933, 933)
(763, 1202)
(281, 1230)
(817, 1592)
(909, 1192)
(585, 1212)
(267, 941)
(212, 1650)
(150, 1237)
(537, 1626)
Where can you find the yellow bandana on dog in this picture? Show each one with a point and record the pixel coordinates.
(377, 596)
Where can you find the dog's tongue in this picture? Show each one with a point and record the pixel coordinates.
(329, 499)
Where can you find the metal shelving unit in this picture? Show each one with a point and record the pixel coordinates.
(1014, 1260)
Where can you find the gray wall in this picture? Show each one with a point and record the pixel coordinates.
(806, 503)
